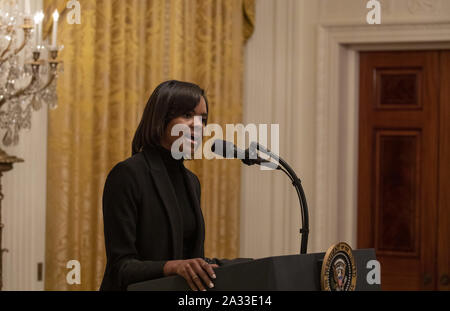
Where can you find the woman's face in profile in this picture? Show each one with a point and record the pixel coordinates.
(199, 114)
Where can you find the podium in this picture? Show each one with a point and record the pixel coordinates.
(282, 273)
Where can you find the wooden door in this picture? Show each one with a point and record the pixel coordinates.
(398, 165)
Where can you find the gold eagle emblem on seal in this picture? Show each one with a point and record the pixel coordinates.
(338, 269)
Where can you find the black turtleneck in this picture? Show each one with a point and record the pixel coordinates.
(176, 175)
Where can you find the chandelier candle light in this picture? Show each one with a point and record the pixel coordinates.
(28, 74)
(28, 68)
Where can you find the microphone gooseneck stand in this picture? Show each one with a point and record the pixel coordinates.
(296, 182)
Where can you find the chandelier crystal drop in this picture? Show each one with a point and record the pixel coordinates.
(28, 68)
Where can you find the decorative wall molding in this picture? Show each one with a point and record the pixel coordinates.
(353, 12)
(424, 6)
(337, 117)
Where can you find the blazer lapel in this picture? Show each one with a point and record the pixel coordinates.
(168, 196)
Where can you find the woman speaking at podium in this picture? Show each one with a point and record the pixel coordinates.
(153, 223)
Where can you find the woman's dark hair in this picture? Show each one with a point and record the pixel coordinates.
(169, 100)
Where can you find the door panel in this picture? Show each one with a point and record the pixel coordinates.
(397, 187)
(398, 155)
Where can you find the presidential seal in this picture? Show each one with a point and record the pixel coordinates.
(338, 269)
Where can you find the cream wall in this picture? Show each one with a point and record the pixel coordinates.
(313, 93)
(23, 206)
(280, 88)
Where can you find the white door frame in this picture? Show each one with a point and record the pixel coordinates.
(337, 115)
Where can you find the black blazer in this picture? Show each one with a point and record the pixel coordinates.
(142, 222)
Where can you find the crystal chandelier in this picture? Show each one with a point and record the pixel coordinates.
(28, 67)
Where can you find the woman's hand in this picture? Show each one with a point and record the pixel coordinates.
(196, 272)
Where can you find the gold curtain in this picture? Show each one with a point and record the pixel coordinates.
(112, 62)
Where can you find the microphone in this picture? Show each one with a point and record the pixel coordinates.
(228, 150)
